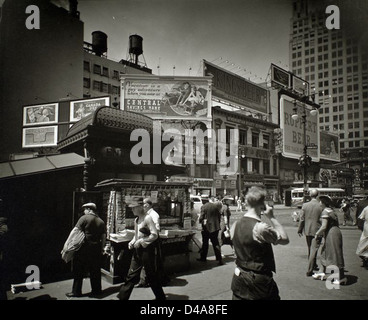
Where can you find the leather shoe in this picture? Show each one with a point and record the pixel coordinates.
(220, 263)
(309, 274)
(202, 260)
(73, 295)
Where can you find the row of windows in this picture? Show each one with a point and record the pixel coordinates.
(101, 70)
(101, 86)
(243, 139)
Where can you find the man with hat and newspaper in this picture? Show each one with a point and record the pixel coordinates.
(89, 256)
(144, 253)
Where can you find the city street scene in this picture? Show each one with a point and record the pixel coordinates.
(196, 150)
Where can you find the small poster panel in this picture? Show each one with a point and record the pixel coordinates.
(40, 114)
(82, 108)
(39, 137)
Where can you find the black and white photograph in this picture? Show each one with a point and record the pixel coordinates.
(195, 152)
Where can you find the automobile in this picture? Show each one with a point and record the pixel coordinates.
(229, 199)
(205, 198)
(197, 201)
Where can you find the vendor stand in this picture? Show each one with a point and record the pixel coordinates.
(170, 200)
(110, 179)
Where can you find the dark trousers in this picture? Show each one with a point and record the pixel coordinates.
(159, 266)
(249, 285)
(313, 247)
(87, 259)
(213, 236)
(142, 257)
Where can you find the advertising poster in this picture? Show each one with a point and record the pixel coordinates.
(82, 108)
(280, 77)
(39, 137)
(40, 114)
(183, 98)
(233, 88)
(293, 130)
(329, 146)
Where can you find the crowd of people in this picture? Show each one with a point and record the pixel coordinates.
(250, 237)
(320, 224)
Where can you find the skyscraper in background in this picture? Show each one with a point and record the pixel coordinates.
(335, 63)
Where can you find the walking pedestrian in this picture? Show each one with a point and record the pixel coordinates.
(210, 218)
(224, 233)
(309, 223)
(362, 249)
(89, 257)
(159, 265)
(239, 207)
(252, 239)
(360, 207)
(143, 244)
(346, 208)
(332, 250)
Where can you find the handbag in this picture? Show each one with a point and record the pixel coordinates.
(72, 244)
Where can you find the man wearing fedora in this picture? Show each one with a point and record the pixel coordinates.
(144, 253)
(88, 258)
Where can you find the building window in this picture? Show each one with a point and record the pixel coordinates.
(255, 164)
(105, 87)
(266, 141)
(96, 69)
(86, 82)
(255, 139)
(116, 75)
(105, 71)
(86, 66)
(266, 167)
(97, 85)
(115, 90)
(242, 137)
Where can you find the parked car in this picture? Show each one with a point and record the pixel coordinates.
(205, 198)
(229, 199)
(197, 201)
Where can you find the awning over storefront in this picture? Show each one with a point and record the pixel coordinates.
(43, 164)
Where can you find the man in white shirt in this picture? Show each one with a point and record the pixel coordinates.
(147, 206)
(143, 244)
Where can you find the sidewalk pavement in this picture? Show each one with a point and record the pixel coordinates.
(209, 281)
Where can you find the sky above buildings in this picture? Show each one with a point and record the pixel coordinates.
(178, 34)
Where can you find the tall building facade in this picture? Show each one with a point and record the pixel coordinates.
(335, 63)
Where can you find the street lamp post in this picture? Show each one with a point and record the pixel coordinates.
(305, 161)
(241, 155)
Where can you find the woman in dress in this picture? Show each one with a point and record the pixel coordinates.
(362, 250)
(332, 253)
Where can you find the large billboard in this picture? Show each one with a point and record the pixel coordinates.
(293, 130)
(163, 97)
(329, 146)
(280, 77)
(230, 87)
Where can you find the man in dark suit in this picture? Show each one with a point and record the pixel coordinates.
(210, 218)
(310, 222)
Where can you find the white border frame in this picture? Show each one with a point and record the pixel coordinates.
(51, 144)
(72, 118)
(55, 106)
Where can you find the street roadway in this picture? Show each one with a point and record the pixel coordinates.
(209, 281)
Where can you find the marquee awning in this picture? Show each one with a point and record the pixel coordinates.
(37, 165)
